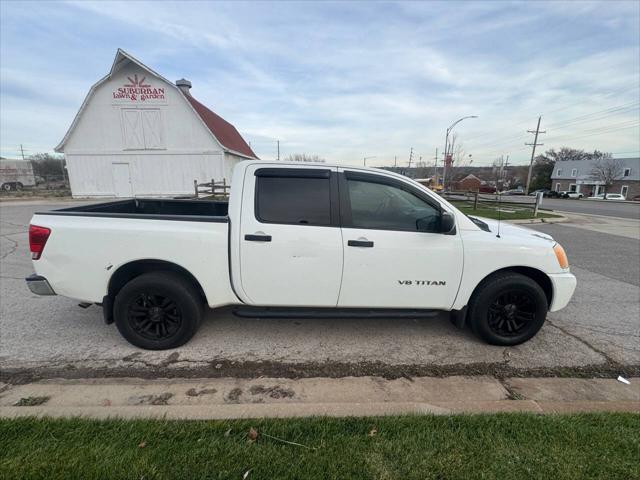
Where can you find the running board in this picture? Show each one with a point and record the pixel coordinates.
(331, 312)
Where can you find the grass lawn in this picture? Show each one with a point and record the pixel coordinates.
(490, 211)
(503, 446)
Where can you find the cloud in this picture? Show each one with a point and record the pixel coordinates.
(342, 80)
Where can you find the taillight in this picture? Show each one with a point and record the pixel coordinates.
(38, 237)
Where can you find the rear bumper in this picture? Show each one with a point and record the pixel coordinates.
(564, 284)
(39, 285)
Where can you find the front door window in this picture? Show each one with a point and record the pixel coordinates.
(385, 207)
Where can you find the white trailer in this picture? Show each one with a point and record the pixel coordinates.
(16, 174)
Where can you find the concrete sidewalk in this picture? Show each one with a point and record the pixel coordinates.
(624, 227)
(224, 398)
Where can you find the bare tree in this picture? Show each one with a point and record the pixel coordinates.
(47, 165)
(607, 169)
(460, 161)
(498, 174)
(303, 157)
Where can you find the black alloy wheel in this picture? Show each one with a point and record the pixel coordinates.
(507, 308)
(510, 313)
(158, 310)
(154, 317)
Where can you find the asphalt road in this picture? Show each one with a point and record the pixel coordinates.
(598, 333)
(591, 207)
(594, 207)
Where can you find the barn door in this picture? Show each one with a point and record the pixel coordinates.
(132, 129)
(152, 128)
(121, 180)
(142, 129)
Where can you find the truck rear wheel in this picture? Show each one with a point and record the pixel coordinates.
(507, 309)
(157, 311)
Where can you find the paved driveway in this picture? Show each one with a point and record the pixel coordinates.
(598, 333)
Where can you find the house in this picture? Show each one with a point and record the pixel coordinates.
(470, 183)
(577, 176)
(138, 134)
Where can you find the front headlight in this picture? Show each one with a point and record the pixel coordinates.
(561, 255)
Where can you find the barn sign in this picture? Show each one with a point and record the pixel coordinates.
(137, 91)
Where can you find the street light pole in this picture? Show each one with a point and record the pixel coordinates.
(364, 160)
(446, 146)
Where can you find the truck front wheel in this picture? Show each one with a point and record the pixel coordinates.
(157, 311)
(507, 309)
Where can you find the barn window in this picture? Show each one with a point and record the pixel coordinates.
(142, 129)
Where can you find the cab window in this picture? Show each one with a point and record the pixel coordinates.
(386, 207)
(295, 201)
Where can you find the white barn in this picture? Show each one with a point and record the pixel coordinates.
(138, 134)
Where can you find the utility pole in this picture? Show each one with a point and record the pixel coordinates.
(435, 168)
(410, 156)
(506, 164)
(533, 152)
(22, 151)
(395, 161)
(278, 150)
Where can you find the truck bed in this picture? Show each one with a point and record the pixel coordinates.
(151, 208)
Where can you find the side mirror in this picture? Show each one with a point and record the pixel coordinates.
(447, 222)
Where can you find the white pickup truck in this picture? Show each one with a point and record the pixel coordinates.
(299, 240)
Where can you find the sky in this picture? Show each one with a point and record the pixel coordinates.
(343, 80)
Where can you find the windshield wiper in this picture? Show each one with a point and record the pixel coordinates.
(479, 223)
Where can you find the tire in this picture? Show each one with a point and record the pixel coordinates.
(158, 311)
(19, 186)
(6, 187)
(507, 309)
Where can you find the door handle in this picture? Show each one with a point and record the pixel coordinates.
(360, 243)
(257, 238)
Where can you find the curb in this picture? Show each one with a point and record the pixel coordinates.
(559, 219)
(230, 412)
(230, 398)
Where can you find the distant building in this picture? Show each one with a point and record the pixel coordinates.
(577, 176)
(470, 183)
(138, 134)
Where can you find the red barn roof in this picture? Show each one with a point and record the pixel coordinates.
(226, 133)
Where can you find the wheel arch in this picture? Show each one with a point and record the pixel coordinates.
(534, 274)
(128, 271)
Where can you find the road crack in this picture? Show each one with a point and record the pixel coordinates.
(584, 342)
(12, 249)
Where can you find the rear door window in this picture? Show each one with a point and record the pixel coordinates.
(293, 200)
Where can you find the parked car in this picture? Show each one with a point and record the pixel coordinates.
(609, 196)
(299, 240)
(515, 191)
(545, 193)
(486, 189)
(577, 195)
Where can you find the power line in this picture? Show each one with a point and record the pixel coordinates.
(549, 112)
(510, 139)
